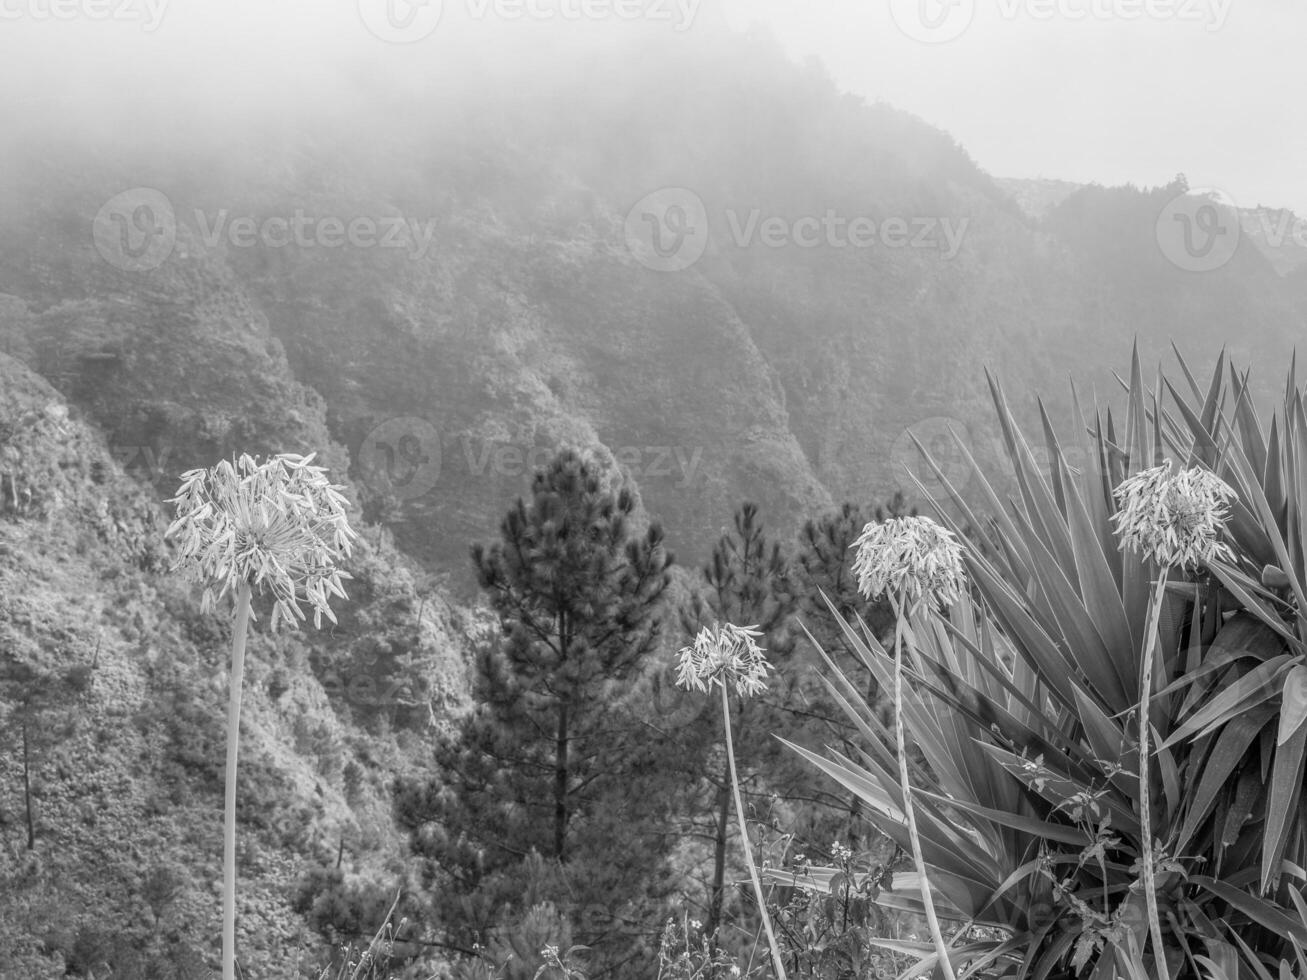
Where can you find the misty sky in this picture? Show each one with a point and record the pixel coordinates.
(1112, 91)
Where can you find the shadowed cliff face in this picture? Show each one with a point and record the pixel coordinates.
(120, 680)
(714, 271)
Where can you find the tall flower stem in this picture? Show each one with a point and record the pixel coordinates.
(229, 810)
(279, 525)
(905, 783)
(744, 839)
(1151, 641)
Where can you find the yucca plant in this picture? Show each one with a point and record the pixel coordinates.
(1053, 847)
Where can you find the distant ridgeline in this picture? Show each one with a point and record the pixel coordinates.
(580, 277)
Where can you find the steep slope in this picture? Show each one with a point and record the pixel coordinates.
(515, 308)
(112, 695)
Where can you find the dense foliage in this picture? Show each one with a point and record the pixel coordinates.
(1025, 703)
(551, 772)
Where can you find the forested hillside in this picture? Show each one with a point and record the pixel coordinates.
(513, 314)
(517, 311)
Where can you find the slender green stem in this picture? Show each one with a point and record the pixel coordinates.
(1151, 640)
(744, 839)
(905, 783)
(229, 811)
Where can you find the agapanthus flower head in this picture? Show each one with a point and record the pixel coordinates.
(727, 655)
(278, 526)
(1174, 519)
(912, 559)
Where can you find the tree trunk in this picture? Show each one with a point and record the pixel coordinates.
(27, 791)
(560, 754)
(560, 787)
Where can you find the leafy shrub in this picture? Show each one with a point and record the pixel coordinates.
(100, 951)
(160, 887)
(1025, 700)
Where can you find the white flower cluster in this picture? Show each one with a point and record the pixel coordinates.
(278, 525)
(725, 655)
(913, 559)
(1176, 520)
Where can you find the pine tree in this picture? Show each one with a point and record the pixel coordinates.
(39, 717)
(550, 761)
(748, 581)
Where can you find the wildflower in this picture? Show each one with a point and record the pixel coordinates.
(279, 525)
(1177, 522)
(913, 558)
(1174, 520)
(243, 526)
(728, 655)
(725, 655)
(918, 563)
